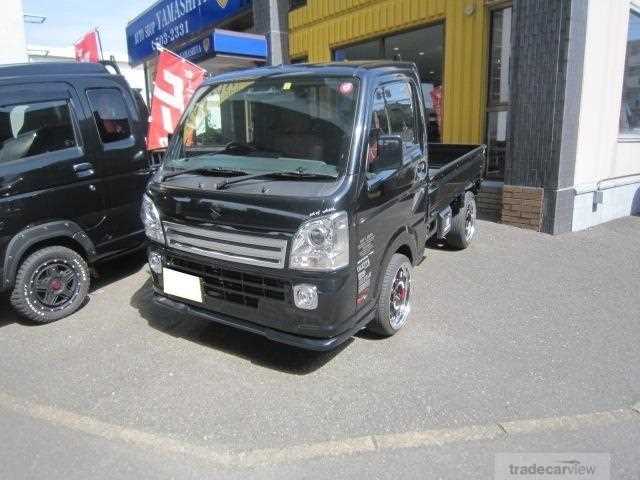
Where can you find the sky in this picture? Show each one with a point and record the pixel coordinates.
(68, 20)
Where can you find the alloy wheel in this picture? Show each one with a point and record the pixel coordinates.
(399, 306)
(54, 285)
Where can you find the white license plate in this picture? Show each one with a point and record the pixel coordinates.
(182, 285)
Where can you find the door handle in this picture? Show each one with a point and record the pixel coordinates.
(83, 170)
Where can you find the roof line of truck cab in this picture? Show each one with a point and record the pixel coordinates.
(376, 68)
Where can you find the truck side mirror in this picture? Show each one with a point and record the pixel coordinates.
(390, 153)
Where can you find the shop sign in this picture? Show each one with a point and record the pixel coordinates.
(226, 42)
(170, 21)
(197, 50)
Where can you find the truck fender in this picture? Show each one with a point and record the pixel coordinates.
(28, 237)
(402, 237)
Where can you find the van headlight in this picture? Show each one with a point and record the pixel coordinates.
(151, 220)
(321, 244)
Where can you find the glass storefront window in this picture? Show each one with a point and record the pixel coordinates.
(630, 110)
(293, 4)
(424, 47)
(372, 50)
(496, 143)
(499, 94)
(500, 57)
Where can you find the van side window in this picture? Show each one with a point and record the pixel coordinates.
(110, 113)
(35, 128)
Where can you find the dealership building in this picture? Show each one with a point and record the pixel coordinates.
(551, 86)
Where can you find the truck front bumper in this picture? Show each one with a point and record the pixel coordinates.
(308, 343)
(260, 300)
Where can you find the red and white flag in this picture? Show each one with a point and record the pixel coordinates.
(176, 81)
(88, 48)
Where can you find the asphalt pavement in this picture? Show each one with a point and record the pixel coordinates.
(522, 343)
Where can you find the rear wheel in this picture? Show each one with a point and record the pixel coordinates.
(463, 224)
(394, 303)
(51, 284)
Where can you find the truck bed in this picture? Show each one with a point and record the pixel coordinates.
(453, 169)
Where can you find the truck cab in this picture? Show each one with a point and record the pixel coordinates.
(295, 201)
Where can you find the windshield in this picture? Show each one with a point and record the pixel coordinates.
(301, 124)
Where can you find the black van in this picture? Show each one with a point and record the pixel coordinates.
(294, 201)
(73, 167)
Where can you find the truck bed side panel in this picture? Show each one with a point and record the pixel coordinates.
(453, 169)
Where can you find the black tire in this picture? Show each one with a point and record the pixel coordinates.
(383, 323)
(463, 233)
(63, 277)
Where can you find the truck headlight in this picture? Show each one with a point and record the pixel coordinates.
(321, 244)
(151, 220)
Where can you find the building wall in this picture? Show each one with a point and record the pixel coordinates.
(606, 165)
(600, 153)
(538, 74)
(13, 46)
(270, 18)
(321, 26)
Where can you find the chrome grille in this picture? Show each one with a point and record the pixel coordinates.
(232, 247)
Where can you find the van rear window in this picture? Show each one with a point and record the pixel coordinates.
(33, 129)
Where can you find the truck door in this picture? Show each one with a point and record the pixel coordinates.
(119, 148)
(392, 199)
(43, 155)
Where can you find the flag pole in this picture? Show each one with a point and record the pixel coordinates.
(160, 49)
(100, 44)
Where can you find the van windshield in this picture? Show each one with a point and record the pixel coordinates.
(302, 124)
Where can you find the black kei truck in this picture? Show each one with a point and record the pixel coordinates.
(73, 169)
(294, 201)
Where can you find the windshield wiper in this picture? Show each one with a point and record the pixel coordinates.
(204, 171)
(297, 174)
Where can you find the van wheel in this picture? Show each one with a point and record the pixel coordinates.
(395, 296)
(463, 224)
(51, 284)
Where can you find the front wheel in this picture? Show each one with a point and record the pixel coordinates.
(394, 303)
(463, 224)
(52, 283)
